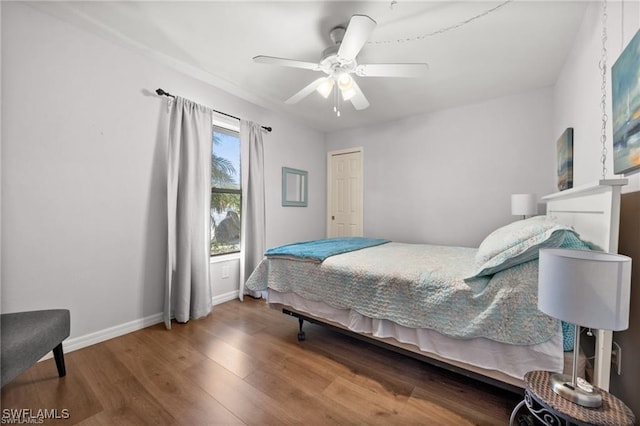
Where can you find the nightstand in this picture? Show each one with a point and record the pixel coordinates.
(551, 409)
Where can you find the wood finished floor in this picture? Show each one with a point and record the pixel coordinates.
(244, 365)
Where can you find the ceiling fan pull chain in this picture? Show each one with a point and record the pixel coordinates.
(336, 98)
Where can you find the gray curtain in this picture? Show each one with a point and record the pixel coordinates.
(187, 289)
(252, 239)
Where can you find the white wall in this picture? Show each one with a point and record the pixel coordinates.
(577, 104)
(578, 90)
(447, 177)
(83, 184)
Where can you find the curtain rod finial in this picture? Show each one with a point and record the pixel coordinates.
(163, 93)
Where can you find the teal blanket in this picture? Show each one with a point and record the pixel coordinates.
(319, 250)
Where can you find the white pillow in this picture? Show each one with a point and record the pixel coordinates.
(517, 243)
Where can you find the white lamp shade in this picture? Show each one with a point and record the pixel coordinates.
(524, 204)
(583, 287)
(325, 88)
(348, 93)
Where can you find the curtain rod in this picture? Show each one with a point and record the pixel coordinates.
(163, 93)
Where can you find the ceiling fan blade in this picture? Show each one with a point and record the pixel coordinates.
(358, 100)
(357, 34)
(392, 70)
(306, 91)
(271, 60)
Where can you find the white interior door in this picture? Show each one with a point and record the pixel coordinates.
(345, 211)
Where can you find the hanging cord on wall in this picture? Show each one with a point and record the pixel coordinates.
(622, 25)
(603, 88)
(163, 93)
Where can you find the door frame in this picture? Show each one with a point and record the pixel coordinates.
(330, 154)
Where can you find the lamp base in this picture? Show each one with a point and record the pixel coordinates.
(561, 384)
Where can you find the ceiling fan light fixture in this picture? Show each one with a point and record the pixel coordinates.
(339, 61)
(348, 93)
(325, 88)
(345, 81)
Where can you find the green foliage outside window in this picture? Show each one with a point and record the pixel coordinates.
(226, 193)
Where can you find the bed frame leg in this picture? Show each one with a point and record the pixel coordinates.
(301, 335)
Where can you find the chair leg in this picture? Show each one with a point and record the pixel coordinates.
(58, 354)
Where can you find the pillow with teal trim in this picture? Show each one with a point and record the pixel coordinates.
(517, 243)
(573, 241)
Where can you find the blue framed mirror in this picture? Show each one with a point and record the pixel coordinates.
(294, 187)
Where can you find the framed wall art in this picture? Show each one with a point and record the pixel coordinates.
(625, 82)
(565, 160)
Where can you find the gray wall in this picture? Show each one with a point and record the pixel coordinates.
(83, 182)
(447, 177)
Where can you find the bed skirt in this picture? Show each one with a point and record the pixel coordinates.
(504, 362)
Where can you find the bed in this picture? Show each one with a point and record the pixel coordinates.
(469, 310)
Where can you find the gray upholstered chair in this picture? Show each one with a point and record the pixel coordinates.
(28, 336)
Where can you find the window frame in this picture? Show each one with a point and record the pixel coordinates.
(225, 127)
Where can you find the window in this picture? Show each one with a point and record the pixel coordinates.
(226, 191)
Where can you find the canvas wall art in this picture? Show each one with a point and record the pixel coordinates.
(625, 81)
(565, 160)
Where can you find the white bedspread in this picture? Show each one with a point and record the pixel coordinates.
(419, 286)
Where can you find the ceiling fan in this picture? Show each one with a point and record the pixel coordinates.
(338, 62)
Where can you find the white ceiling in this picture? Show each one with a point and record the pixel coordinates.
(518, 47)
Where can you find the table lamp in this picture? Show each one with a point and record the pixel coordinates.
(586, 288)
(524, 204)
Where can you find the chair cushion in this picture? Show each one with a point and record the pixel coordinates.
(28, 336)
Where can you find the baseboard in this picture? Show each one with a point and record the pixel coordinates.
(80, 342)
(222, 298)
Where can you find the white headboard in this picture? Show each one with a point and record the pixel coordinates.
(594, 212)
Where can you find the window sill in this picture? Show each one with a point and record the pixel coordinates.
(224, 258)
